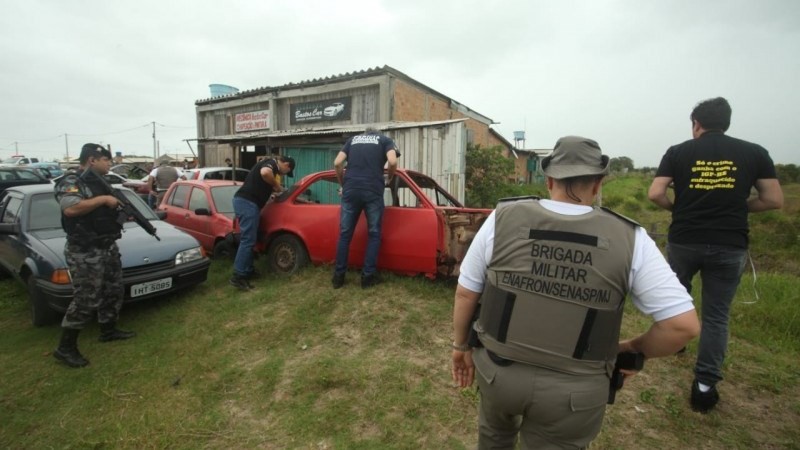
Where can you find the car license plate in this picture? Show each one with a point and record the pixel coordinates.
(137, 290)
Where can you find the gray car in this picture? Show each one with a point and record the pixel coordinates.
(32, 250)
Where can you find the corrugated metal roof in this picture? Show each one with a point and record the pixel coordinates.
(306, 83)
(345, 129)
(331, 79)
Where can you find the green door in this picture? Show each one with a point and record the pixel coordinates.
(312, 159)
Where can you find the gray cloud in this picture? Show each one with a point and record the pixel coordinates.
(623, 72)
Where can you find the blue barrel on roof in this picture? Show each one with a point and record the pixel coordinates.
(218, 90)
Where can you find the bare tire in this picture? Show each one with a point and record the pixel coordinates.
(287, 254)
(224, 249)
(41, 313)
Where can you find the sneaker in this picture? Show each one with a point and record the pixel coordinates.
(703, 402)
(370, 280)
(240, 283)
(337, 281)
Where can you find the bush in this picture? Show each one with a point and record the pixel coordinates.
(486, 175)
(612, 201)
(631, 206)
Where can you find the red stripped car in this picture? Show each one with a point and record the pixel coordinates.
(425, 229)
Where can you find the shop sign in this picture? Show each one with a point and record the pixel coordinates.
(251, 121)
(321, 110)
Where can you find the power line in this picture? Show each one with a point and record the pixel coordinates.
(33, 141)
(37, 140)
(112, 132)
(173, 126)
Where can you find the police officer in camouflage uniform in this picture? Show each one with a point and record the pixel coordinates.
(552, 277)
(89, 216)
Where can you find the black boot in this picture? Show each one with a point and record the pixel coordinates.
(67, 351)
(109, 332)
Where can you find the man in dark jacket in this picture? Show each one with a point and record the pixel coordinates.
(89, 216)
(362, 186)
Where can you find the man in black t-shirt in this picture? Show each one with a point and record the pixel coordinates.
(247, 203)
(713, 175)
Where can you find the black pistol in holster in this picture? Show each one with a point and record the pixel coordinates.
(627, 361)
(472, 337)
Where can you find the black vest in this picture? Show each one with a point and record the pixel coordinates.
(100, 224)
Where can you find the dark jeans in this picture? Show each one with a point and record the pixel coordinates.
(720, 270)
(249, 215)
(353, 202)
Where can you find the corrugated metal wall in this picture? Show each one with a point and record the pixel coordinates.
(437, 151)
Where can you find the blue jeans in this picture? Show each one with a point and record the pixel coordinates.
(248, 215)
(353, 202)
(720, 270)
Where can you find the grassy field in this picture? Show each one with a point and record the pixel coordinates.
(295, 364)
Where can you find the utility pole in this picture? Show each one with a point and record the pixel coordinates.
(66, 144)
(155, 155)
(16, 148)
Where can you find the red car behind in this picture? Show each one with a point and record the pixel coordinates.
(204, 209)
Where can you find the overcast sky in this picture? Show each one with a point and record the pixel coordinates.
(626, 73)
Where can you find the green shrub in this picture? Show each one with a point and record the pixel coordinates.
(612, 201)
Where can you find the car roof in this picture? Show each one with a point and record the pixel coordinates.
(209, 182)
(208, 169)
(25, 168)
(29, 189)
(33, 188)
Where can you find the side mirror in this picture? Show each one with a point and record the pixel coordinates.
(202, 212)
(9, 228)
(161, 215)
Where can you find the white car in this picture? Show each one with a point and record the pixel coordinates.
(18, 160)
(333, 110)
(215, 173)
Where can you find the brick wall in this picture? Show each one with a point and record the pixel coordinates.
(415, 105)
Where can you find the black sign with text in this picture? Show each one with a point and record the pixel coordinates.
(322, 110)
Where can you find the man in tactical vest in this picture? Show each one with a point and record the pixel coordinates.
(89, 216)
(551, 277)
(162, 178)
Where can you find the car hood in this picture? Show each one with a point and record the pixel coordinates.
(134, 246)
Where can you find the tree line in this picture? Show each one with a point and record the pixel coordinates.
(490, 175)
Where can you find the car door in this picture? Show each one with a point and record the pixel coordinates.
(177, 207)
(199, 226)
(410, 230)
(312, 213)
(12, 253)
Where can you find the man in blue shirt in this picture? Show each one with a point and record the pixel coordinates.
(362, 190)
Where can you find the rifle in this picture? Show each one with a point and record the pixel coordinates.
(126, 209)
(627, 361)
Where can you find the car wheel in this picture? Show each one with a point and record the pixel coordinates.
(41, 313)
(287, 254)
(223, 249)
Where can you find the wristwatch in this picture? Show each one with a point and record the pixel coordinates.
(461, 348)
